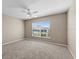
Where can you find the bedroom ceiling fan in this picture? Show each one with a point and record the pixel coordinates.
(29, 12)
(24, 8)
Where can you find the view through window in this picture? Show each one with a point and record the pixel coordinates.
(40, 29)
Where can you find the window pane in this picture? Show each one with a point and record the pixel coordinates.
(40, 28)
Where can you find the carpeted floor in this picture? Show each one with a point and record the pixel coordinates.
(35, 50)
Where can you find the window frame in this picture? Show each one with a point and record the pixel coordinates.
(41, 29)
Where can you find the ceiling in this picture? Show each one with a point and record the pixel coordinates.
(15, 8)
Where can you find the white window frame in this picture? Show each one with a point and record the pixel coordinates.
(40, 31)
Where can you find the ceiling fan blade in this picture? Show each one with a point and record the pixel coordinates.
(35, 12)
(30, 12)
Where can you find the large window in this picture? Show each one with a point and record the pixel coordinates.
(40, 29)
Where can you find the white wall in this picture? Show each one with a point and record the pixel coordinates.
(72, 29)
(12, 28)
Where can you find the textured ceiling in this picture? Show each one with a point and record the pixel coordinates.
(15, 8)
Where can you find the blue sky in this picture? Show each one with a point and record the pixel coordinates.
(43, 23)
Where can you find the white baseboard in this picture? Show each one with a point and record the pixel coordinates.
(11, 42)
(71, 52)
(60, 44)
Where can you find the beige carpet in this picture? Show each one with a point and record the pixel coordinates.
(35, 50)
